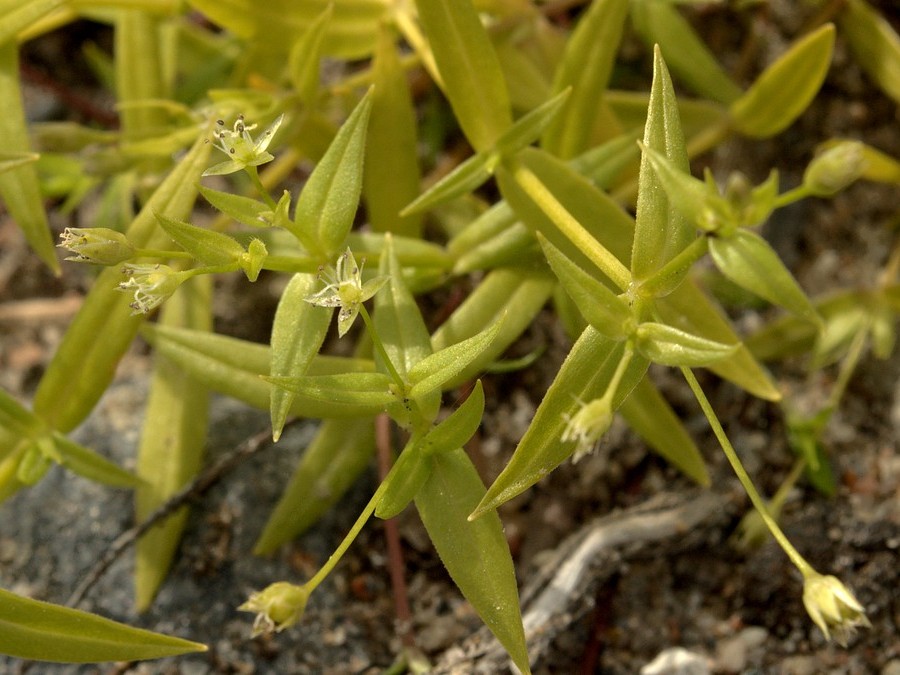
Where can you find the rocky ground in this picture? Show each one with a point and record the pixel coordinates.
(671, 580)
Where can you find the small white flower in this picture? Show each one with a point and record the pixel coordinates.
(240, 147)
(344, 289)
(152, 284)
(586, 426)
(833, 607)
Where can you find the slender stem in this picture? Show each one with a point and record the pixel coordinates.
(574, 231)
(848, 365)
(757, 500)
(791, 196)
(379, 347)
(260, 188)
(620, 371)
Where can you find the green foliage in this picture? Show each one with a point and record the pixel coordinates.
(611, 228)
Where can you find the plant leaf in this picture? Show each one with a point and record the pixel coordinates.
(211, 248)
(31, 629)
(87, 463)
(874, 43)
(434, 371)
(369, 393)
(469, 68)
(475, 553)
(749, 261)
(785, 88)
(673, 347)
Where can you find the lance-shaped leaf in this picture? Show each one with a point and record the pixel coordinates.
(477, 169)
(459, 427)
(19, 187)
(16, 418)
(173, 439)
(305, 56)
(13, 160)
(35, 630)
(475, 553)
(327, 205)
(585, 67)
(298, 331)
(331, 463)
(599, 306)
(584, 376)
(244, 210)
(368, 393)
(650, 415)
(510, 298)
(392, 180)
(211, 248)
(660, 231)
(469, 68)
(87, 463)
(746, 259)
(874, 43)
(786, 88)
(689, 309)
(673, 347)
(83, 366)
(434, 371)
(685, 53)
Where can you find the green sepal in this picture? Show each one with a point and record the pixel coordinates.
(475, 553)
(327, 205)
(40, 631)
(785, 88)
(334, 459)
(436, 370)
(673, 347)
(584, 376)
(748, 260)
(651, 416)
(660, 232)
(298, 332)
(368, 393)
(88, 464)
(469, 69)
(685, 53)
(210, 248)
(599, 306)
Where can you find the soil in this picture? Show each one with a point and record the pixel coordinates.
(688, 590)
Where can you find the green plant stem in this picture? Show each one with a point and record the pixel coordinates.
(379, 347)
(574, 231)
(791, 196)
(260, 188)
(848, 365)
(758, 502)
(616, 379)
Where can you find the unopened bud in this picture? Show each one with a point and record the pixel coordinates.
(98, 245)
(835, 168)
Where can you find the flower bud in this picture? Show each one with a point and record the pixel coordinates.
(833, 607)
(278, 606)
(835, 168)
(252, 261)
(98, 245)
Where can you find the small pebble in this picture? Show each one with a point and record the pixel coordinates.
(677, 661)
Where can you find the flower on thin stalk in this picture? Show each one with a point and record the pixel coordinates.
(344, 289)
(586, 426)
(833, 607)
(151, 284)
(240, 147)
(98, 245)
(278, 606)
